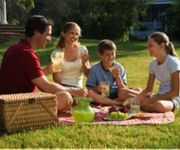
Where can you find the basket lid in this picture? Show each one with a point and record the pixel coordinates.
(21, 97)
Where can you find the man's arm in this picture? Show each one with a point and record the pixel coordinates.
(46, 86)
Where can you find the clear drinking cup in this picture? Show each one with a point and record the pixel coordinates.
(104, 88)
(134, 105)
(57, 58)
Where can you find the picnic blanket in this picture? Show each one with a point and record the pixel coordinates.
(101, 112)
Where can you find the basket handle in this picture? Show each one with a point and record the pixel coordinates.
(14, 115)
(50, 112)
(32, 101)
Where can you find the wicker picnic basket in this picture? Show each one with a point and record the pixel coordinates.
(27, 111)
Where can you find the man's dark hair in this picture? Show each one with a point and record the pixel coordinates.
(36, 22)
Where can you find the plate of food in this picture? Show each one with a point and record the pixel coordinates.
(141, 115)
(116, 116)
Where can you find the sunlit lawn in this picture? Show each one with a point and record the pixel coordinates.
(134, 57)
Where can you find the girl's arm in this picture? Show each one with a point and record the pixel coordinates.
(149, 87)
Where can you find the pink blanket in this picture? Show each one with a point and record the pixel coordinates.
(101, 112)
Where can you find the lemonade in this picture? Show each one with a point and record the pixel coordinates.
(57, 60)
(57, 66)
(104, 88)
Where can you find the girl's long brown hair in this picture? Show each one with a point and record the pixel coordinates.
(161, 37)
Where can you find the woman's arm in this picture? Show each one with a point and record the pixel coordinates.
(85, 64)
(57, 77)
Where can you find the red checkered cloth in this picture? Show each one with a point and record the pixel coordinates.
(101, 112)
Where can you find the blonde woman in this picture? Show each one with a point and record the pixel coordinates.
(76, 59)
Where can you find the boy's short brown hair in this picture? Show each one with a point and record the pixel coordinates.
(106, 44)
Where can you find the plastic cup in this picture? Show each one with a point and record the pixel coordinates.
(104, 88)
(134, 106)
(57, 60)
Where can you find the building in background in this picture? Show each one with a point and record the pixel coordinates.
(3, 15)
(155, 20)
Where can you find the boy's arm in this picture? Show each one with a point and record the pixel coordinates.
(93, 88)
(119, 81)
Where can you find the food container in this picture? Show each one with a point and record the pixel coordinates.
(27, 111)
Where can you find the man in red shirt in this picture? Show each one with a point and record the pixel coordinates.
(20, 70)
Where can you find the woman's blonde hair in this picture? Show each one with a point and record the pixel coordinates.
(68, 26)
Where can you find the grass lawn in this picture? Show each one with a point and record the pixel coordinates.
(134, 57)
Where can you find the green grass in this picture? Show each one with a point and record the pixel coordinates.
(134, 57)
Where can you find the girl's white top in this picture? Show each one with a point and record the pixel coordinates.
(164, 71)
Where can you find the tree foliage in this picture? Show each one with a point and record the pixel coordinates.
(173, 19)
(112, 18)
(18, 10)
(60, 11)
(97, 18)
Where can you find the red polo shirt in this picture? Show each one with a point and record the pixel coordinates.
(20, 65)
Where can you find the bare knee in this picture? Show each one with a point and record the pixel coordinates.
(64, 100)
(164, 106)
